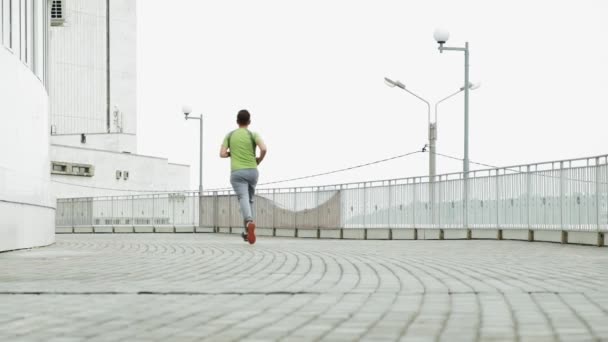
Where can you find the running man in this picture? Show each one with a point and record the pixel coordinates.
(240, 146)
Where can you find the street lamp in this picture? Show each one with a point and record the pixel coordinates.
(442, 36)
(472, 86)
(393, 84)
(187, 110)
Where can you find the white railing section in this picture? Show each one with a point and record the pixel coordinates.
(561, 195)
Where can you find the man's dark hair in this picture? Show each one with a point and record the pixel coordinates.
(243, 117)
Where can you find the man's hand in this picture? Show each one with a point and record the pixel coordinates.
(224, 153)
(258, 160)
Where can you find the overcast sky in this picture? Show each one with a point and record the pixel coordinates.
(311, 73)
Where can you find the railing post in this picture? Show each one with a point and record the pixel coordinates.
(465, 182)
(439, 200)
(390, 203)
(72, 213)
(528, 197)
(216, 222)
(112, 220)
(561, 195)
(318, 210)
(597, 192)
(295, 208)
(364, 205)
(341, 224)
(132, 213)
(172, 198)
(274, 204)
(153, 213)
(414, 193)
(497, 197)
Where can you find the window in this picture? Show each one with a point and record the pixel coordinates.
(59, 167)
(57, 13)
(118, 174)
(125, 175)
(69, 169)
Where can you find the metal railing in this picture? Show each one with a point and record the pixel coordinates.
(561, 195)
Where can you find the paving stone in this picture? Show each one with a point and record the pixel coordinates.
(191, 287)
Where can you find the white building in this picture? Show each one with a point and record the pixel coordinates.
(93, 112)
(27, 207)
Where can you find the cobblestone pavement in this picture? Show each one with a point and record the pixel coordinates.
(190, 287)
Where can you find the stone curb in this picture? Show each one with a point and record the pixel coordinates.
(592, 238)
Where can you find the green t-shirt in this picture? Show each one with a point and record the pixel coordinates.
(242, 149)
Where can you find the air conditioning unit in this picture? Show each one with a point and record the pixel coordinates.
(57, 12)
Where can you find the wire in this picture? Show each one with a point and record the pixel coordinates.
(470, 161)
(123, 190)
(267, 183)
(519, 171)
(332, 172)
(342, 170)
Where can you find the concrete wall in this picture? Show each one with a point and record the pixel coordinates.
(178, 175)
(146, 173)
(118, 142)
(27, 209)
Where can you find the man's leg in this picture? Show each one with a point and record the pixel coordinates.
(241, 188)
(252, 181)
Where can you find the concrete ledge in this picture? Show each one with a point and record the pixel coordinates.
(143, 229)
(63, 230)
(484, 234)
(404, 234)
(331, 233)
(308, 233)
(585, 238)
(286, 232)
(450, 233)
(378, 234)
(123, 229)
(184, 229)
(429, 234)
(104, 229)
(224, 230)
(205, 230)
(264, 231)
(83, 229)
(548, 235)
(164, 229)
(515, 234)
(353, 234)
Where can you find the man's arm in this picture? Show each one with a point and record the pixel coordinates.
(224, 153)
(263, 151)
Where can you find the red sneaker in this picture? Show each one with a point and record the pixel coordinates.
(251, 232)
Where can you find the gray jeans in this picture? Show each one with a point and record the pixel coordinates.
(244, 182)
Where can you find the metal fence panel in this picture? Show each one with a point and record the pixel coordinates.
(571, 195)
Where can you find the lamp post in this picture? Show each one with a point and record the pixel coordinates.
(187, 110)
(442, 36)
(432, 135)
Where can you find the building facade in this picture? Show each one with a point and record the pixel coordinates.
(27, 206)
(92, 73)
(93, 104)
